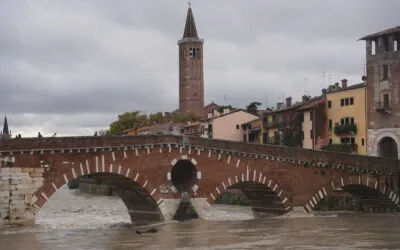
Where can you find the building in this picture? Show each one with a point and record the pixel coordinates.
(383, 88)
(209, 108)
(191, 82)
(314, 123)
(226, 125)
(282, 123)
(6, 133)
(347, 118)
(192, 129)
(253, 131)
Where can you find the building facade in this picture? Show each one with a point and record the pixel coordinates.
(347, 117)
(314, 123)
(191, 82)
(226, 125)
(383, 92)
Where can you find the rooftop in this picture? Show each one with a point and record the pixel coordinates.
(355, 86)
(382, 33)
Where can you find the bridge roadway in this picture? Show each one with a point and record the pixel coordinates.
(151, 172)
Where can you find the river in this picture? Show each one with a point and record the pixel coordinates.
(71, 220)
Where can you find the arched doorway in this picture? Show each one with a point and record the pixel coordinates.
(388, 148)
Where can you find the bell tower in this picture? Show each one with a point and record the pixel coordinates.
(191, 82)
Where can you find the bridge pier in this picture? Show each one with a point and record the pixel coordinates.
(17, 186)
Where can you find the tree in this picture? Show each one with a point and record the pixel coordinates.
(221, 108)
(292, 132)
(128, 120)
(157, 117)
(253, 108)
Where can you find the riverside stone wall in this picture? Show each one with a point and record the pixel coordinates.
(17, 186)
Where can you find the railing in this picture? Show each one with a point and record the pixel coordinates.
(383, 106)
(274, 124)
(345, 129)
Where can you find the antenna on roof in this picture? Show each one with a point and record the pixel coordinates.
(329, 79)
(305, 84)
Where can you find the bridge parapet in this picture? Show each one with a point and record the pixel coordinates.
(305, 157)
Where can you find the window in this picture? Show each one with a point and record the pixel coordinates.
(237, 126)
(385, 41)
(373, 47)
(385, 72)
(330, 124)
(311, 115)
(342, 102)
(346, 101)
(351, 100)
(197, 53)
(352, 120)
(386, 100)
(362, 141)
(347, 120)
(311, 134)
(395, 45)
(330, 141)
(342, 121)
(353, 140)
(329, 104)
(191, 53)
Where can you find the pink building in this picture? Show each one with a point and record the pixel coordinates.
(226, 125)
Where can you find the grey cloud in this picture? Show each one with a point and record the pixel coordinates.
(74, 65)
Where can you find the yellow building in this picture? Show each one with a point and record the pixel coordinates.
(347, 117)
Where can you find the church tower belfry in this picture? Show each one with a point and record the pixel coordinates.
(191, 82)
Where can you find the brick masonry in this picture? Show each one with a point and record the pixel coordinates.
(379, 122)
(33, 169)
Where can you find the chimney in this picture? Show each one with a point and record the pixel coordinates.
(279, 105)
(344, 83)
(289, 101)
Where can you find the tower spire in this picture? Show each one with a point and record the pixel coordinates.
(190, 26)
(5, 127)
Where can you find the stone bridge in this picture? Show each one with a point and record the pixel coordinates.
(150, 174)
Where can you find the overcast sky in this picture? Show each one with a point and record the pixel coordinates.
(72, 66)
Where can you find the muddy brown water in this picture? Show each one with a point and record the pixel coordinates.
(71, 220)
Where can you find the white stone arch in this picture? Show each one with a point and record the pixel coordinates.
(379, 137)
(195, 187)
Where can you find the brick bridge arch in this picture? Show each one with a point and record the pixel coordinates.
(136, 190)
(356, 185)
(269, 190)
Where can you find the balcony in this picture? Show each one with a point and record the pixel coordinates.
(345, 129)
(341, 148)
(383, 107)
(274, 124)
